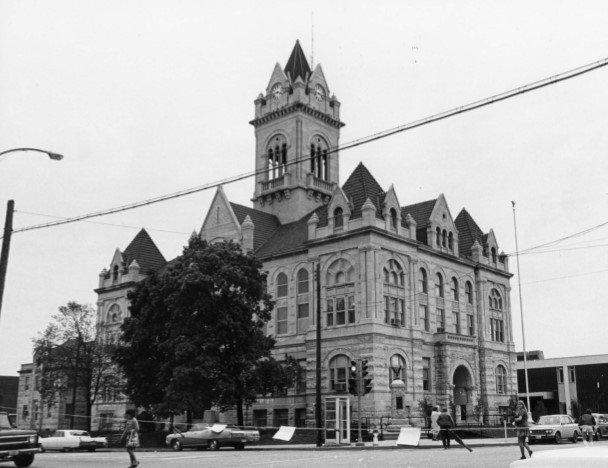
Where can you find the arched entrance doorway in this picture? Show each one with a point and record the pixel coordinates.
(463, 388)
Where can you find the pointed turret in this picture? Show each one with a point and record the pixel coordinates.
(297, 65)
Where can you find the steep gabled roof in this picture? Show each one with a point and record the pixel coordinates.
(287, 238)
(265, 223)
(468, 233)
(297, 65)
(421, 212)
(143, 250)
(360, 186)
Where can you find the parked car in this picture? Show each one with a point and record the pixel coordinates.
(204, 436)
(601, 426)
(589, 457)
(17, 445)
(72, 439)
(555, 427)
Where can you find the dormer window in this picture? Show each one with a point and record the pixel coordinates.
(338, 218)
(115, 273)
(393, 214)
(277, 157)
(444, 238)
(438, 237)
(493, 253)
(451, 241)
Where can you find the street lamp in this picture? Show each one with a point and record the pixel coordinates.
(54, 156)
(8, 225)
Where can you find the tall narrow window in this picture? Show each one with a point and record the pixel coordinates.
(422, 281)
(338, 218)
(468, 292)
(501, 380)
(493, 255)
(440, 320)
(303, 284)
(319, 163)
(277, 157)
(281, 285)
(470, 328)
(439, 285)
(281, 320)
(438, 237)
(451, 241)
(424, 316)
(455, 294)
(426, 374)
(393, 213)
(456, 320)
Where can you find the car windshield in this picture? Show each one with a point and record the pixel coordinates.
(548, 420)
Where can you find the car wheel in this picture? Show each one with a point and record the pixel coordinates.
(575, 437)
(598, 435)
(67, 449)
(557, 437)
(24, 460)
(176, 445)
(214, 445)
(42, 449)
(239, 446)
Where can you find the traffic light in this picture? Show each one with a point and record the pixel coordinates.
(366, 381)
(352, 380)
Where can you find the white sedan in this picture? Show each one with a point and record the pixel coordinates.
(579, 457)
(72, 439)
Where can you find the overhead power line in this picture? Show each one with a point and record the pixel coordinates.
(368, 139)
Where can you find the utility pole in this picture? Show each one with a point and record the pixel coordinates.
(318, 417)
(6, 244)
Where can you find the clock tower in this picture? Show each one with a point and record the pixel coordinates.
(297, 130)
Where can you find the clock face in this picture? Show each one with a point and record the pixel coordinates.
(319, 93)
(276, 91)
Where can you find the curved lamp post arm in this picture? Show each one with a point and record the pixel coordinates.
(54, 156)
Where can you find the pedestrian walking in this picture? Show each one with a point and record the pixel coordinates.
(131, 436)
(434, 426)
(587, 423)
(445, 422)
(520, 421)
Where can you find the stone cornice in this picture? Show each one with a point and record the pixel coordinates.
(296, 107)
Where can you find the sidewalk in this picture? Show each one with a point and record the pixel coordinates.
(391, 444)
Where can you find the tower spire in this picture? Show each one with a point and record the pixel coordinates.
(297, 65)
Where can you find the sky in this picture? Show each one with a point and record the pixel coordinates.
(148, 98)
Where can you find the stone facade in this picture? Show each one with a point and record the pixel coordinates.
(422, 296)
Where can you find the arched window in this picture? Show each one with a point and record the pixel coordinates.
(319, 158)
(451, 241)
(338, 218)
(281, 285)
(493, 251)
(468, 292)
(455, 294)
(394, 220)
(423, 284)
(438, 237)
(338, 373)
(397, 368)
(444, 238)
(277, 157)
(114, 314)
(115, 273)
(393, 273)
(495, 300)
(303, 285)
(439, 285)
(501, 379)
(339, 272)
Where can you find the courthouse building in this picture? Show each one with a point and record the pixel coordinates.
(422, 295)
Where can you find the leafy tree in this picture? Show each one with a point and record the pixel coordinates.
(195, 337)
(71, 361)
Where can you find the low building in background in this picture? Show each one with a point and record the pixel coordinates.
(566, 385)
